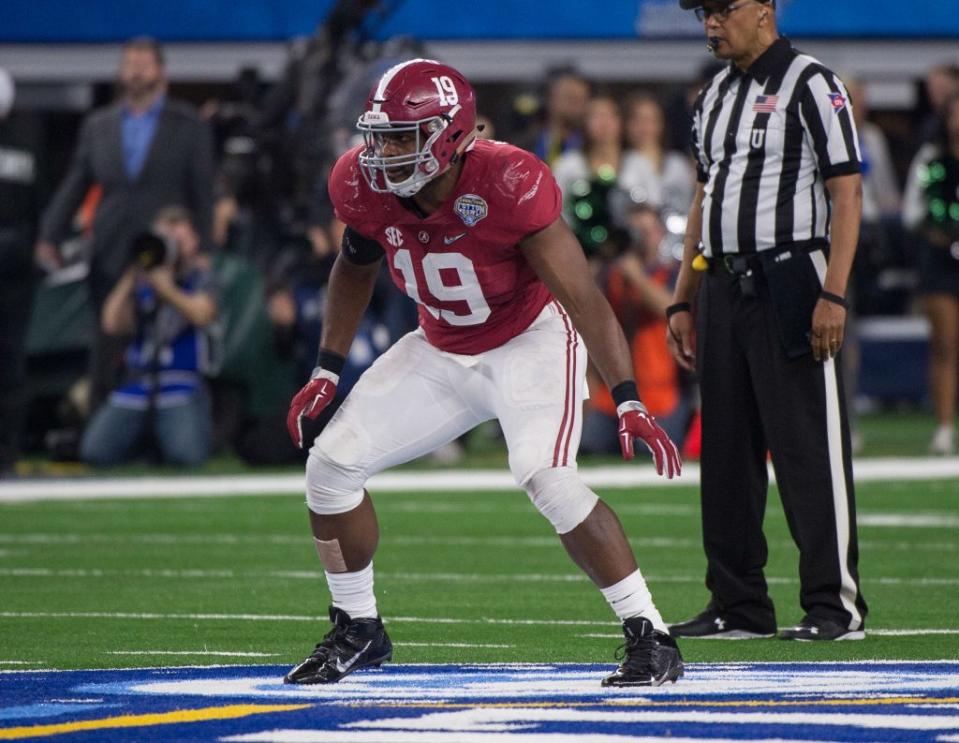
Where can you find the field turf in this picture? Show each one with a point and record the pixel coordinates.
(460, 577)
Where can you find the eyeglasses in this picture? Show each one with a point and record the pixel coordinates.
(704, 14)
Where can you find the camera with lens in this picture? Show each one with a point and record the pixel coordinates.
(148, 250)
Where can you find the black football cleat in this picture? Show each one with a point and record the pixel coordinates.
(815, 629)
(352, 644)
(650, 657)
(711, 625)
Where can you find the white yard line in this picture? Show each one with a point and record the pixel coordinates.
(624, 476)
(316, 575)
(224, 653)
(394, 620)
(451, 645)
(869, 632)
(410, 540)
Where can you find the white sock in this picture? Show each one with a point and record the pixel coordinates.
(631, 598)
(353, 592)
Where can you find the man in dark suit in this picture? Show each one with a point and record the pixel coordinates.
(145, 151)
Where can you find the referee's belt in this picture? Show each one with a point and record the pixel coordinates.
(739, 264)
(736, 265)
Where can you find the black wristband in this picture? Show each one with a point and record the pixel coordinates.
(835, 299)
(675, 309)
(331, 361)
(624, 392)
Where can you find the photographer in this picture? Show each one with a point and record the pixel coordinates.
(167, 300)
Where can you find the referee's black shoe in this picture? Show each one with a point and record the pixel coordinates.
(352, 644)
(649, 657)
(713, 625)
(815, 629)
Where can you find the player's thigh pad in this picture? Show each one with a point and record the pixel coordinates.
(540, 382)
(560, 495)
(404, 406)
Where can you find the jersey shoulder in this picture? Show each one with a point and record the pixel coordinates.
(510, 175)
(354, 202)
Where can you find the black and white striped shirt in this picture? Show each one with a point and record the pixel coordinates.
(765, 141)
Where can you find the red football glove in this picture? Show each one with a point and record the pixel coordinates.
(310, 402)
(636, 422)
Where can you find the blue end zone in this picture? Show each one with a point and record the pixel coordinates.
(872, 701)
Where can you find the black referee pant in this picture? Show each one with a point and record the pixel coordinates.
(756, 399)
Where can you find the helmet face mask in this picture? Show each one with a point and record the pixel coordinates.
(420, 116)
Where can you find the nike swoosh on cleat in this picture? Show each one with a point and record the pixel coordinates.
(344, 667)
(450, 240)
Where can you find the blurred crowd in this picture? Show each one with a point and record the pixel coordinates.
(199, 240)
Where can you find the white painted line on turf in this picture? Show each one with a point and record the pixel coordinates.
(451, 645)
(410, 540)
(922, 520)
(869, 633)
(388, 620)
(317, 575)
(420, 736)
(22, 662)
(622, 476)
(232, 654)
(283, 618)
(224, 653)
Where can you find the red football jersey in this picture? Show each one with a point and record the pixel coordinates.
(462, 264)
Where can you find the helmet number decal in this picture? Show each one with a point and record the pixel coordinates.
(468, 289)
(446, 90)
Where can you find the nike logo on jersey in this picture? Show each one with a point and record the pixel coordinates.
(344, 667)
(450, 240)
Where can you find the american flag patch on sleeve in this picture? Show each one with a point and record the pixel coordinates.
(765, 104)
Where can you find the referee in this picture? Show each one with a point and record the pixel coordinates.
(769, 245)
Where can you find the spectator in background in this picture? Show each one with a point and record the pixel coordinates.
(145, 151)
(639, 289)
(671, 186)
(567, 96)
(881, 194)
(881, 205)
(18, 219)
(597, 181)
(167, 299)
(942, 83)
(935, 217)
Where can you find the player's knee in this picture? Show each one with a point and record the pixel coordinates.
(560, 495)
(330, 487)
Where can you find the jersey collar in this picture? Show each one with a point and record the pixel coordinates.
(773, 62)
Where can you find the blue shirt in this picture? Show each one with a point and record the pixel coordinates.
(168, 356)
(138, 131)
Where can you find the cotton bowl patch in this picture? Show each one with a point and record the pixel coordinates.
(874, 701)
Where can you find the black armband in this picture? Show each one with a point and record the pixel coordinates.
(834, 298)
(331, 361)
(359, 249)
(624, 392)
(675, 309)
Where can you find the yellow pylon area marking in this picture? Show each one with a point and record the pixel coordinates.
(859, 702)
(163, 718)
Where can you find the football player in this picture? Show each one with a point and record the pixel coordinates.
(471, 231)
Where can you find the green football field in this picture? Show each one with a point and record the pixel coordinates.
(460, 577)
